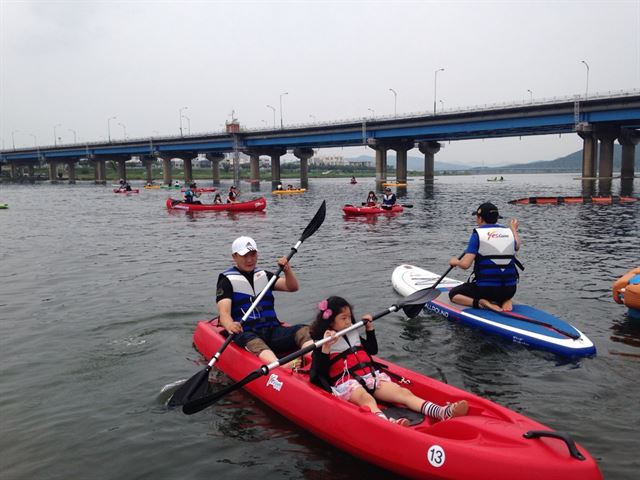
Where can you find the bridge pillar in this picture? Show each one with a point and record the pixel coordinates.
(166, 168)
(122, 169)
(53, 171)
(402, 147)
(381, 161)
(429, 149)
(275, 154)
(188, 170)
(100, 170)
(148, 162)
(71, 165)
(13, 171)
(304, 154)
(215, 159)
(628, 139)
(606, 135)
(254, 164)
(31, 172)
(589, 142)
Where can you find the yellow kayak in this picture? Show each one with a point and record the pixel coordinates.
(390, 184)
(284, 192)
(151, 187)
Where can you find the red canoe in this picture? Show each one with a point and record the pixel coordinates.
(353, 210)
(201, 189)
(490, 443)
(561, 200)
(256, 205)
(133, 190)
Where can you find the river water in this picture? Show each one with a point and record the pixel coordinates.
(101, 292)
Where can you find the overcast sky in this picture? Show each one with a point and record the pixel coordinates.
(71, 65)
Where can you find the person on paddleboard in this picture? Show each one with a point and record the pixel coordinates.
(344, 367)
(388, 198)
(492, 251)
(261, 333)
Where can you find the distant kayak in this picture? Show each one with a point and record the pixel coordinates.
(494, 179)
(353, 210)
(169, 187)
(121, 190)
(524, 325)
(200, 189)
(392, 184)
(561, 200)
(293, 190)
(256, 205)
(151, 187)
(4, 206)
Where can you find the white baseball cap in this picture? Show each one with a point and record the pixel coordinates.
(244, 245)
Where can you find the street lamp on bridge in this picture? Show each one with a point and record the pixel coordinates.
(124, 129)
(274, 115)
(35, 140)
(109, 127)
(586, 92)
(13, 137)
(55, 136)
(530, 95)
(180, 113)
(441, 105)
(395, 102)
(313, 117)
(373, 112)
(435, 84)
(282, 95)
(75, 136)
(188, 124)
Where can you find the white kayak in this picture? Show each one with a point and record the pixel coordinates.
(525, 325)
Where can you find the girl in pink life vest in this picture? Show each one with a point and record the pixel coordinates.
(344, 366)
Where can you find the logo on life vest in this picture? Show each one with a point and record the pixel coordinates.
(274, 382)
(495, 235)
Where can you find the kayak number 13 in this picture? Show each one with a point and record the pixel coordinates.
(436, 455)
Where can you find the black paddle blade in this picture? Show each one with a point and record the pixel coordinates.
(414, 303)
(198, 404)
(193, 388)
(315, 222)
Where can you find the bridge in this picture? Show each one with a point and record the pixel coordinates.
(599, 120)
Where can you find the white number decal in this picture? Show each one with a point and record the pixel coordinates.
(436, 455)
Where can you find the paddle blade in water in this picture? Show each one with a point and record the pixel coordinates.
(195, 387)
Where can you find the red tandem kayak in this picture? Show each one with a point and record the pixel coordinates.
(353, 210)
(133, 190)
(561, 200)
(490, 443)
(250, 206)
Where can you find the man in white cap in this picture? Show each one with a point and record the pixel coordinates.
(261, 333)
(492, 251)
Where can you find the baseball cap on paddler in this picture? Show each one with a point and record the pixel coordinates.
(488, 212)
(243, 245)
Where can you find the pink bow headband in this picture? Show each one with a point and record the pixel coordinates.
(324, 308)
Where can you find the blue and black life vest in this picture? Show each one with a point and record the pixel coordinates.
(264, 315)
(495, 263)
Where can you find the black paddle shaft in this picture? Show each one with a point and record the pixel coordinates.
(411, 305)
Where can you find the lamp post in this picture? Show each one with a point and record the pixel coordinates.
(75, 136)
(188, 124)
(441, 105)
(435, 86)
(530, 95)
(109, 127)
(395, 102)
(124, 129)
(282, 95)
(13, 137)
(313, 117)
(586, 92)
(180, 113)
(274, 115)
(35, 140)
(373, 112)
(55, 136)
